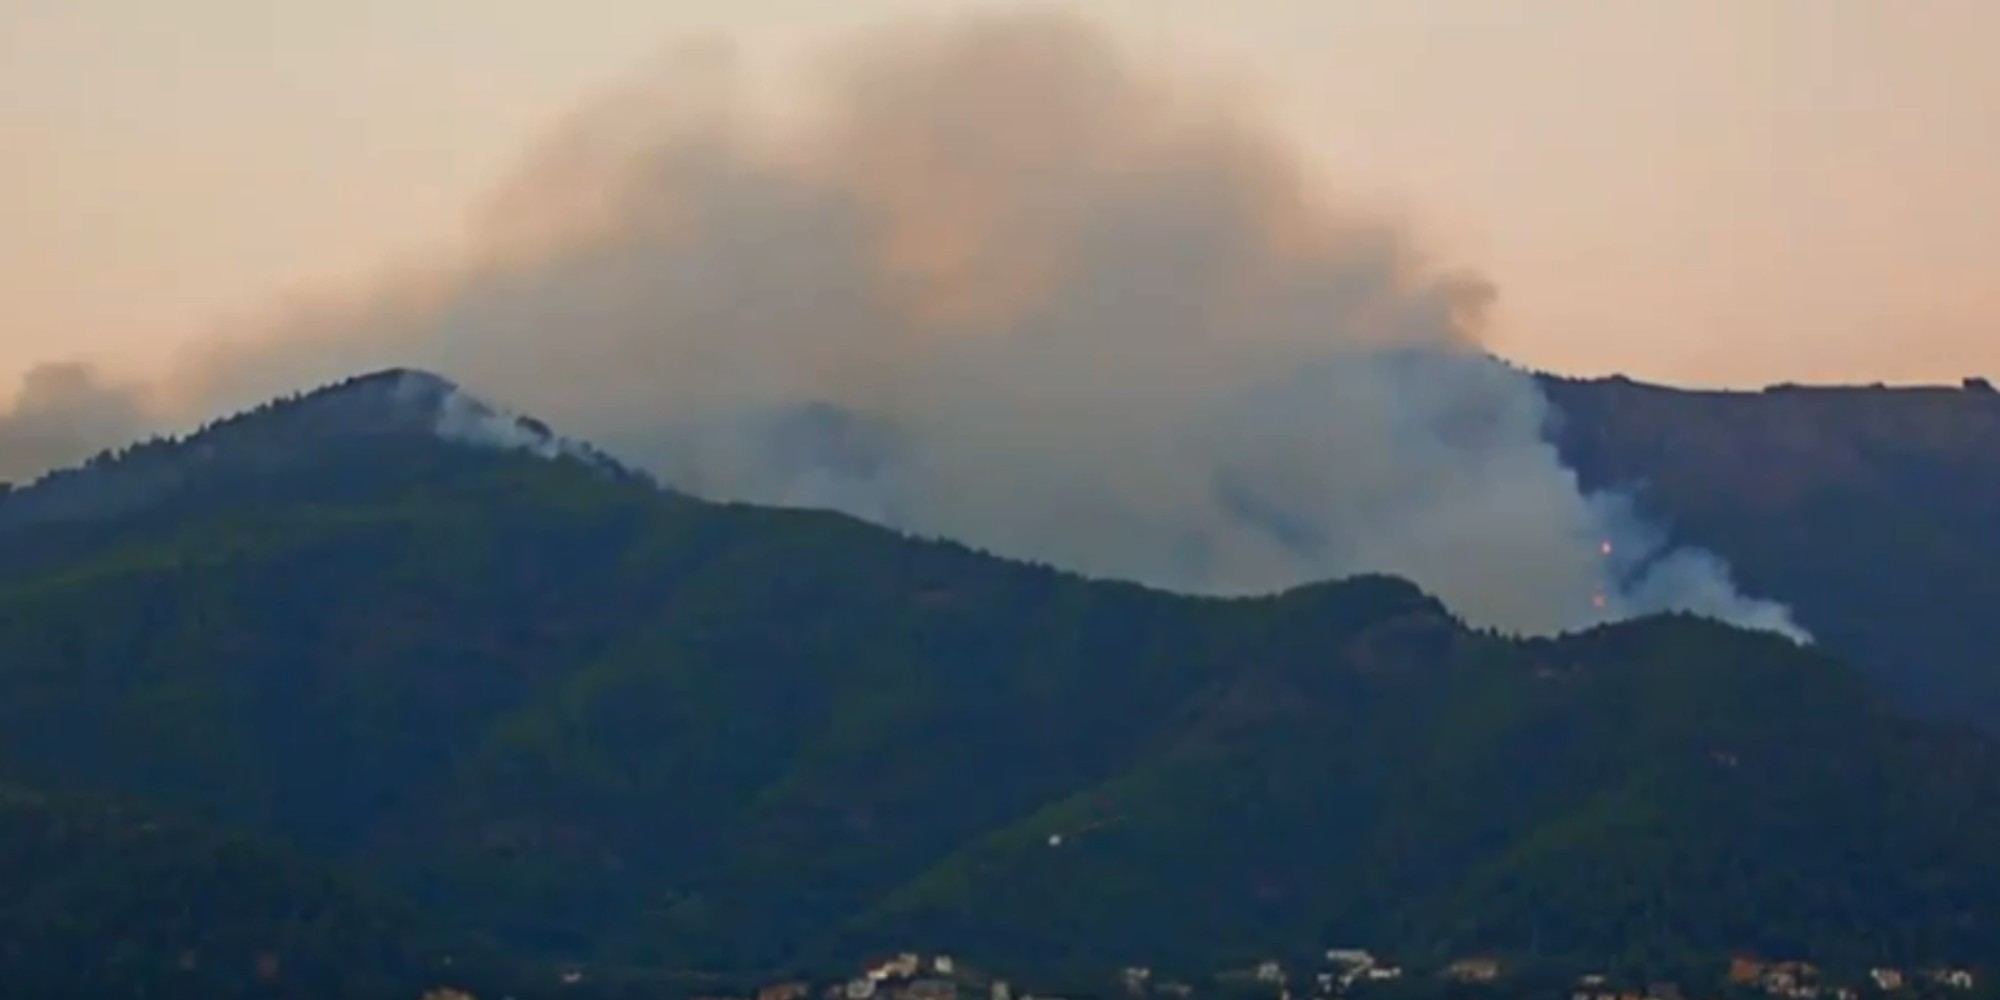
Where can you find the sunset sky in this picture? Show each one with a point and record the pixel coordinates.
(1702, 191)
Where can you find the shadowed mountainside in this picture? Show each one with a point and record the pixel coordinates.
(591, 719)
(1873, 512)
(106, 898)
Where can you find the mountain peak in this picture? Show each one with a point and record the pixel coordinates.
(412, 400)
(391, 401)
(408, 386)
(394, 404)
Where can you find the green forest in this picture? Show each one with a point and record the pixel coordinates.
(404, 710)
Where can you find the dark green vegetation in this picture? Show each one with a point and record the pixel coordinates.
(104, 899)
(550, 708)
(1871, 511)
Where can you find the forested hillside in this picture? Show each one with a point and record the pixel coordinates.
(1868, 510)
(551, 706)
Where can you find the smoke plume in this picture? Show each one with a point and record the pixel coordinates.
(998, 283)
(64, 413)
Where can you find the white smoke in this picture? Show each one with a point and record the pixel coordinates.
(1006, 287)
(462, 417)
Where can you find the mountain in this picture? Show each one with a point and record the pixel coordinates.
(357, 413)
(556, 707)
(1869, 510)
(110, 899)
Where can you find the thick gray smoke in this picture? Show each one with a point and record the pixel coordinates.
(1000, 285)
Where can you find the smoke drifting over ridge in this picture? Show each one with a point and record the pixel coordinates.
(1002, 286)
(62, 413)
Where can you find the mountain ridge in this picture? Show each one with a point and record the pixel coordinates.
(1867, 509)
(388, 403)
(588, 717)
(1863, 507)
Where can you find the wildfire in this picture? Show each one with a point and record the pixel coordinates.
(1604, 549)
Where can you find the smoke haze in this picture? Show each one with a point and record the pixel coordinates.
(998, 284)
(62, 413)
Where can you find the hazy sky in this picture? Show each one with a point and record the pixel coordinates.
(1712, 191)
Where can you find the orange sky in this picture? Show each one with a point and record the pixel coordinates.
(1709, 191)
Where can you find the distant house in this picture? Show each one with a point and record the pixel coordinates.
(1136, 978)
(1976, 384)
(1783, 983)
(932, 989)
(1595, 986)
(1794, 980)
(1743, 971)
(1957, 979)
(903, 966)
(1887, 980)
(860, 989)
(1473, 970)
(1270, 972)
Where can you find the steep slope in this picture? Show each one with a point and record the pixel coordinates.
(1869, 510)
(107, 899)
(594, 718)
(365, 411)
(1644, 794)
(480, 649)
